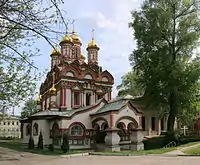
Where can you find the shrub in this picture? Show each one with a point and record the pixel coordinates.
(187, 139)
(31, 144)
(40, 141)
(51, 147)
(65, 143)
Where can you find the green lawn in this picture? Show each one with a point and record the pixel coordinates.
(17, 146)
(142, 152)
(146, 152)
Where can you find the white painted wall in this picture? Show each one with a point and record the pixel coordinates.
(126, 111)
(84, 118)
(68, 99)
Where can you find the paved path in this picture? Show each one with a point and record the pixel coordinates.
(106, 160)
(34, 159)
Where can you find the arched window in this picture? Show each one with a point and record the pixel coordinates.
(104, 126)
(121, 125)
(28, 130)
(76, 130)
(35, 129)
(131, 126)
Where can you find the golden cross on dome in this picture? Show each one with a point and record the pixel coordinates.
(67, 28)
(73, 23)
(57, 39)
(93, 34)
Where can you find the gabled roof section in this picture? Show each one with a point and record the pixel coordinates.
(68, 113)
(117, 104)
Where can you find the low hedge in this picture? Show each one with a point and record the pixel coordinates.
(161, 141)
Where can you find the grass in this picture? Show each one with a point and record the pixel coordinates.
(18, 147)
(147, 152)
(142, 152)
(194, 151)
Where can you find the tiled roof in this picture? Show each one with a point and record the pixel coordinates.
(67, 113)
(115, 104)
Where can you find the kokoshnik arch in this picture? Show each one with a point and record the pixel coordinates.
(76, 98)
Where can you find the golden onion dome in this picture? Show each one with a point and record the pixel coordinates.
(75, 38)
(66, 39)
(53, 89)
(82, 55)
(56, 51)
(38, 99)
(92, 44)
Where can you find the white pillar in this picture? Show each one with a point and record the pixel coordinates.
(149, 126)
(69, 99)
(158, 126)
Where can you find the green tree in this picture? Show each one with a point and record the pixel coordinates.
(40, 141)
(129, 85)
(29, 108)
(21, 24)
(65, 143)
(167, 33)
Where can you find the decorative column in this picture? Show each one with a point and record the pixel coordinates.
(149, 126)
(136, 138)
(63, 98)
(158, 126)
(165, 123)
(112, 138)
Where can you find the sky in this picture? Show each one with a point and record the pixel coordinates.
(110, 20)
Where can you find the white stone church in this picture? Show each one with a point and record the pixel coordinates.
(76, 98)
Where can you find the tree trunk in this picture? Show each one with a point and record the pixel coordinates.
(173, 111)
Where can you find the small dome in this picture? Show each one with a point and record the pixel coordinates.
(56, 51)
(38, 99)
(82, 55)
(75, 38)
(66, 39)
(53, 89)
(92, 44)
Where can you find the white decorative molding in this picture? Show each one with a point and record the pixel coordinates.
(71, 74)
(88, 76)
(105, 79)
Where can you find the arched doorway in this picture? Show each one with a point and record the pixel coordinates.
(55, 134)
(100, 132)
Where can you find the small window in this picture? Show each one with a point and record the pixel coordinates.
(76, 130)
(76, 98)
(4, 123)
(13, 123)
(8, 123)
(88, 99)
(17, 123)
(76, 52)
(35, 129)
